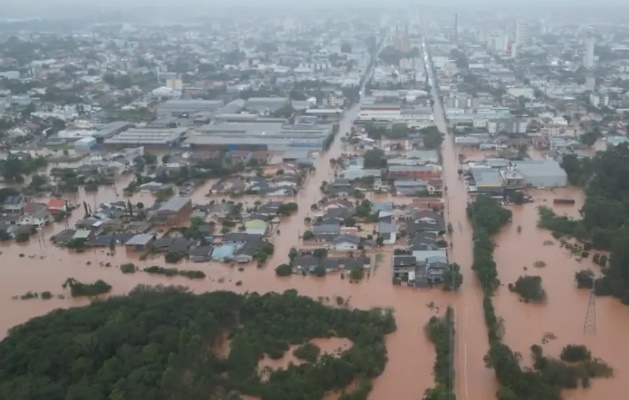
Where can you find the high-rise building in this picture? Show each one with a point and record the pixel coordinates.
(588, 57)
(455, 36)
(401, 41)
(522, 33)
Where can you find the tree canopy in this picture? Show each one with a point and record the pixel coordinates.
(163, 343)
(432, 137)
(374, 158)
(605, 213)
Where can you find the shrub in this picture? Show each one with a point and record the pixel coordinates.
(283, 270)
(308, 352)
(585, 279)
(173, 258)
(128, 268)
(575, 353)
(357, 274)
(529, 288)
(319, 271)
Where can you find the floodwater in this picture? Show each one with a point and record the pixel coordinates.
(333, 346)
(411, 355)
(564, 312)
(473, 380)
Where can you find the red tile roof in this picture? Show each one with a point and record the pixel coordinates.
(57, 203)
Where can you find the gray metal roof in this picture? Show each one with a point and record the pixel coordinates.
(139, 240)
(547, 167)
(486, 176)
(190, 105)
(147, 136)
(175, 204)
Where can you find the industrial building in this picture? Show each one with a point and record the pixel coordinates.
(85, 145)
(177, 108)
(146, 137)
(266, 105)
(108, 130)
(260, 134)
(542, 173)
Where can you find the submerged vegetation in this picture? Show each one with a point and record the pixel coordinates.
(529, 288)
(440, 330)
(605, 222)
(162, 343)
(585, 279)
(190, 274)
(549, 376)
(80, 289)
(308, 352)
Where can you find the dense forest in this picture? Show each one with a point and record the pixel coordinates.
(605, 222)
(163, 343)
(549, 376)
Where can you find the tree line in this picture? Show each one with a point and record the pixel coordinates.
(605, 222)
(440, 331)
(163, 343)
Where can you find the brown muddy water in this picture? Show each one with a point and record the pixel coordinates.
(411, 356)
(564, 312)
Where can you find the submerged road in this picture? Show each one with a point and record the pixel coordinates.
(472, 380)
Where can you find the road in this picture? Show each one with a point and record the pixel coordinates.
(471, 332)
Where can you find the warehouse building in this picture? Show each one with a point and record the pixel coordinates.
(111, 129)
(266, 105)
(178, 107)
(146, 137)
(542, 173)
(257, 135)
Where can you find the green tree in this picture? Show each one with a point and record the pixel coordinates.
(452, 277)
(283, 270)
(374, 158)
(432, 138)
(319, 270)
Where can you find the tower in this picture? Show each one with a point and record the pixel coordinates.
(455, 34)
(397, 39)
(588, 57)
(590, 316)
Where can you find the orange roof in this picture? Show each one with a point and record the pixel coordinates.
(56, 203)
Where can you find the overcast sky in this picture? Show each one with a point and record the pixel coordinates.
(309, 4)
(79, 8)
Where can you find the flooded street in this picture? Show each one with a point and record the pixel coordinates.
(408, 373)
(473, 380)
(560, 321)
